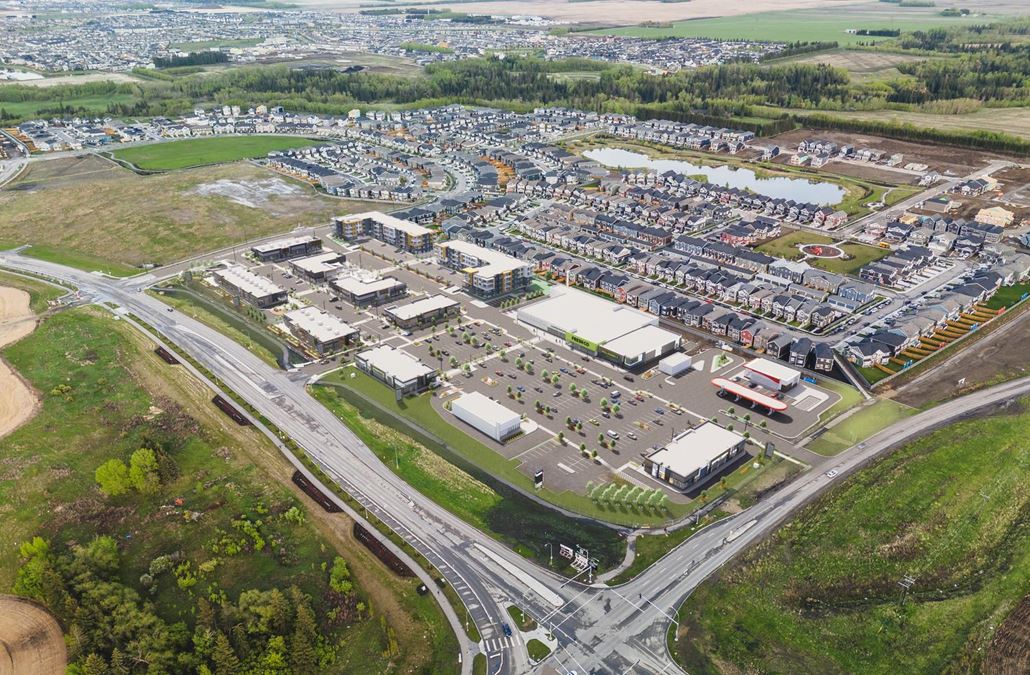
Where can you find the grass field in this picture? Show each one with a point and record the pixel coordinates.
(203, 151)
(1015, 121)
(115, 396)
(813, 25)
(93, 214)
(786, 246)
(861, 425)
(213, 44)
(861, 64)
(89, 105)
(472, 493)
(822, 595)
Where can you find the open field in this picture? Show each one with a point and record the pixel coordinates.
(825, 22)
(861, 64)
(823, 594)
(594, 11)
(78, 78)
(17, 401)
(89, 105)
(107, 394)
(93, 214)
(862, 424)
(202, 45)
(1015, 121)
(203, 151)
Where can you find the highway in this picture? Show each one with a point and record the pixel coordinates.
(599, 629)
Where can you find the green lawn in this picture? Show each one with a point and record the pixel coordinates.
(524, 621)
(860, 425)
(822, 595)
(538, 651)
(192, 152)
(650, 548)
(860, 255)
(105, 394)
(1006, 296)
(812, 25)
(786, 245)
(213, 44)
(445, 473)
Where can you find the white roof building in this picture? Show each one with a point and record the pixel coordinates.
(318, 266)
(771, 374)
(319, 328)
(413, 310)
(487, 415)
(396, 367)
(694, 455)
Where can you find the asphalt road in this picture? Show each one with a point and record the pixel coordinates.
(599, 629)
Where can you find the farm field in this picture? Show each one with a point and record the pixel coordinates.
(220, 505)
(192, 152)
(861, 64)
(1015, 121)
(813, 25)
(57, 205)
(823, 594)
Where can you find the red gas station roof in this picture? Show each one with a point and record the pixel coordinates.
(749, 394)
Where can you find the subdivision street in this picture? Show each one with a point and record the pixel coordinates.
(598, 629)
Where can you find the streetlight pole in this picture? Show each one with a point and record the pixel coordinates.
(550, 550)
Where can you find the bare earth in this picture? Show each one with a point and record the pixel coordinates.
(74, 79)
(17, 402)
(31, 642)
(620, 12)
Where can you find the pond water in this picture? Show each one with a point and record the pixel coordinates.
(798, 189)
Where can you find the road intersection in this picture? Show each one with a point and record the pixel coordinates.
(598, 629)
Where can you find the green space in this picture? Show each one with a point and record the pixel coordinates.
(458, 473)
(79, 260)
(40, 292)
(873, 375)
(650, 548)
(192, 152)
(45, 107)
(858, 256)
(858, 426)
(538, 651)
(786, 245)
(805, 25)
(151, 524)
(158, 219)
(1007, 296)
(524, 621)
(823, 594)
(225, 43)
(849, 398)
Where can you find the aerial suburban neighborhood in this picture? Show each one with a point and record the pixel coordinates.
(514, 337)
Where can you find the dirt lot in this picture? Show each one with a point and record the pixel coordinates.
(31, 642)
(91, 206)
(937, 157)
(1003, 354)
(1009, 653)
(17, 402)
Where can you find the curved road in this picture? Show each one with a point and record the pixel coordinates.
(599, 629)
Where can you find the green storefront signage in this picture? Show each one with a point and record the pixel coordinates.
(574, 339)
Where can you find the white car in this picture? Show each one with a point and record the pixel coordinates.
(832, 473)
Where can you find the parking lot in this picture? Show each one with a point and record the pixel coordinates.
(481, 351)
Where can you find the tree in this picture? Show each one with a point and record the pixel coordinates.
(763, 425)
(616, 408)
(545, 374)
(225, 659)
(600, 438)
(747, 420)
(94, 665)
(731, 411)
(101, 555)
(339, 576)
(113, 477)
(303, 657)
(274, 659)
(604, 404)
(561, 437)
(143, 471)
